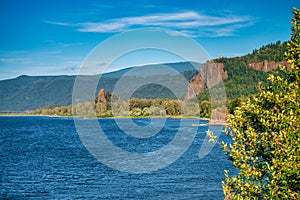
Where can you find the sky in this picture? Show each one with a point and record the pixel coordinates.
(40, 37)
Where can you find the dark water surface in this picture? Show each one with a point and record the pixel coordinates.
(44, 158)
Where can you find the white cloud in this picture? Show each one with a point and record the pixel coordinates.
(186, 22)
(58, 23)
(217, 31)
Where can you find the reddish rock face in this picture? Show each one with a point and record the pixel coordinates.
(210, 75)
(196, 86)
(267, 65)
(218, 116)
(101, 96)
(213, 73)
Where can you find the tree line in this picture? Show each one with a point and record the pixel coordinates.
(108, 105)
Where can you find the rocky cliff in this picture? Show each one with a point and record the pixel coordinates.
(101, 96)
(101, 103)
(267, 65)
(210, 74)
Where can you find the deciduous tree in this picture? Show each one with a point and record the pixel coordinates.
(266, 135)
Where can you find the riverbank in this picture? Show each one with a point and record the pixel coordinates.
(146, 117)
(210, 122)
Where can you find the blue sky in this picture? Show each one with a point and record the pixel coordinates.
(40, 37)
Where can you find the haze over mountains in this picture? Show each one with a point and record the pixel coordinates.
(32, 92)
(241, 76)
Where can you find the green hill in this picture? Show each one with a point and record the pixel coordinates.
(242, 79)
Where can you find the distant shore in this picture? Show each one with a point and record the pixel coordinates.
(210, 121)
(146, 117)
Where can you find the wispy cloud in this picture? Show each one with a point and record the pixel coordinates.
(61, 44)
(15, 63)
(58, 23)
(11, 57)
(190, 23)
(217, 31)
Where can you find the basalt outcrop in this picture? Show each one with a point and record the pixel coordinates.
(267, 65)
(210, 74)
(100, 102)
(101, 96)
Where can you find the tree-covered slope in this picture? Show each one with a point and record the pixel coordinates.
(242, 79)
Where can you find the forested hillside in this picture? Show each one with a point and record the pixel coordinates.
(242, 79)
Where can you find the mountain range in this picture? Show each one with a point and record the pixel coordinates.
(32, 92)
(241, 76)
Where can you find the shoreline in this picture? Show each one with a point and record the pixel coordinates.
(209, 122)
(142, 117)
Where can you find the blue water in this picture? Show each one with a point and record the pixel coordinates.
(44, 158)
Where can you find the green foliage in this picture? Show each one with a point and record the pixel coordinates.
(233, 104)
(205, 109)
(154, 107)
(86, 109)
(136, 112)
(55, 110)
(266, 134)
(242, 80)
(273, 51)
(172, 107)
(136, 107)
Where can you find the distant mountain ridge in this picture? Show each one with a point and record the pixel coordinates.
(31, 92)
(241, 76)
